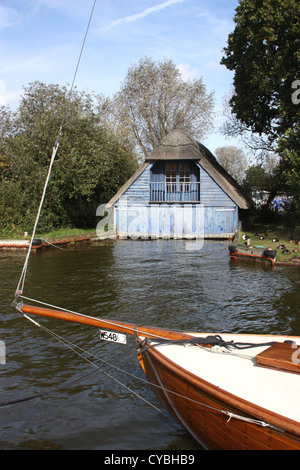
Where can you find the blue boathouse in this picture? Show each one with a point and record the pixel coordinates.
(180, 191)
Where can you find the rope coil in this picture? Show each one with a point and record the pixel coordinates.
(215, 340)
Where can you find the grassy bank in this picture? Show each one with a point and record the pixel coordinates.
(282, 235)
(51, 235)
(269, 232)
(66, 233)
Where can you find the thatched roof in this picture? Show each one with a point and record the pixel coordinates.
(178, 145)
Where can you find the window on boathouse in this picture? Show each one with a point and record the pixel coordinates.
(174, 182)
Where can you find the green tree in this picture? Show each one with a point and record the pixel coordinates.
(154, 100)
(264, 53)
(91, 164)
(289, 166)
(256, 179)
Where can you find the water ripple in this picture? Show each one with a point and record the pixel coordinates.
(161, 283)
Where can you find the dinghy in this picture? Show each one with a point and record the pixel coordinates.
(229, 391)
(253, 253)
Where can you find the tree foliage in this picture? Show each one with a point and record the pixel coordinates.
(257, 179)
(91, 164)
(264, 53)
(289, 166)
(154, 100)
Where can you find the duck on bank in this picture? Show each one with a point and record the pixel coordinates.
(273, 247)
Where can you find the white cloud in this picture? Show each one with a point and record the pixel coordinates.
(12, 98)
(8, 17)
(2, 93)
(148, 11)
(9, 98)
(187, 73)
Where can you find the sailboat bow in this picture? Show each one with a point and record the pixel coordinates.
(230, 391)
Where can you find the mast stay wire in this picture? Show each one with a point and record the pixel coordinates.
(83, 354)
(20, 286)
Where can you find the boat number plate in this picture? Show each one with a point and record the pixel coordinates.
(112, 336)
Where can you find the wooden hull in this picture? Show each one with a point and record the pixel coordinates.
(195, 404)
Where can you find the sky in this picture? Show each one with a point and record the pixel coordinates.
(40, 40)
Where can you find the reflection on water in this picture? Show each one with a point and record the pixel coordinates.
(160, 283)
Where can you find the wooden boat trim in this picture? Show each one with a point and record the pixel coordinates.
(278, 357)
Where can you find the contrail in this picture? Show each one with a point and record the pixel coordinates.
(148, 11)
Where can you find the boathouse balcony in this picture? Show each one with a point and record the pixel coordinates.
(174, 192)
(174, 181)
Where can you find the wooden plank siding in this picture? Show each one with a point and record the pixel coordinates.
(221, 213)
(138, 191)
(215, 216)
(210, 192)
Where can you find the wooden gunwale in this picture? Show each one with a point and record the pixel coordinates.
(211, 395)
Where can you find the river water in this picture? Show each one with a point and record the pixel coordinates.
(166, 283)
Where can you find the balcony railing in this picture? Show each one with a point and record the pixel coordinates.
(175, 192)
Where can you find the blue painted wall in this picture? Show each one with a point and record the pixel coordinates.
(215, 216)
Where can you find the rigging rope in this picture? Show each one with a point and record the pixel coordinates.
(21, 283)
(210, 340)
(20, 286)
(79, 351)
(54, 246)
